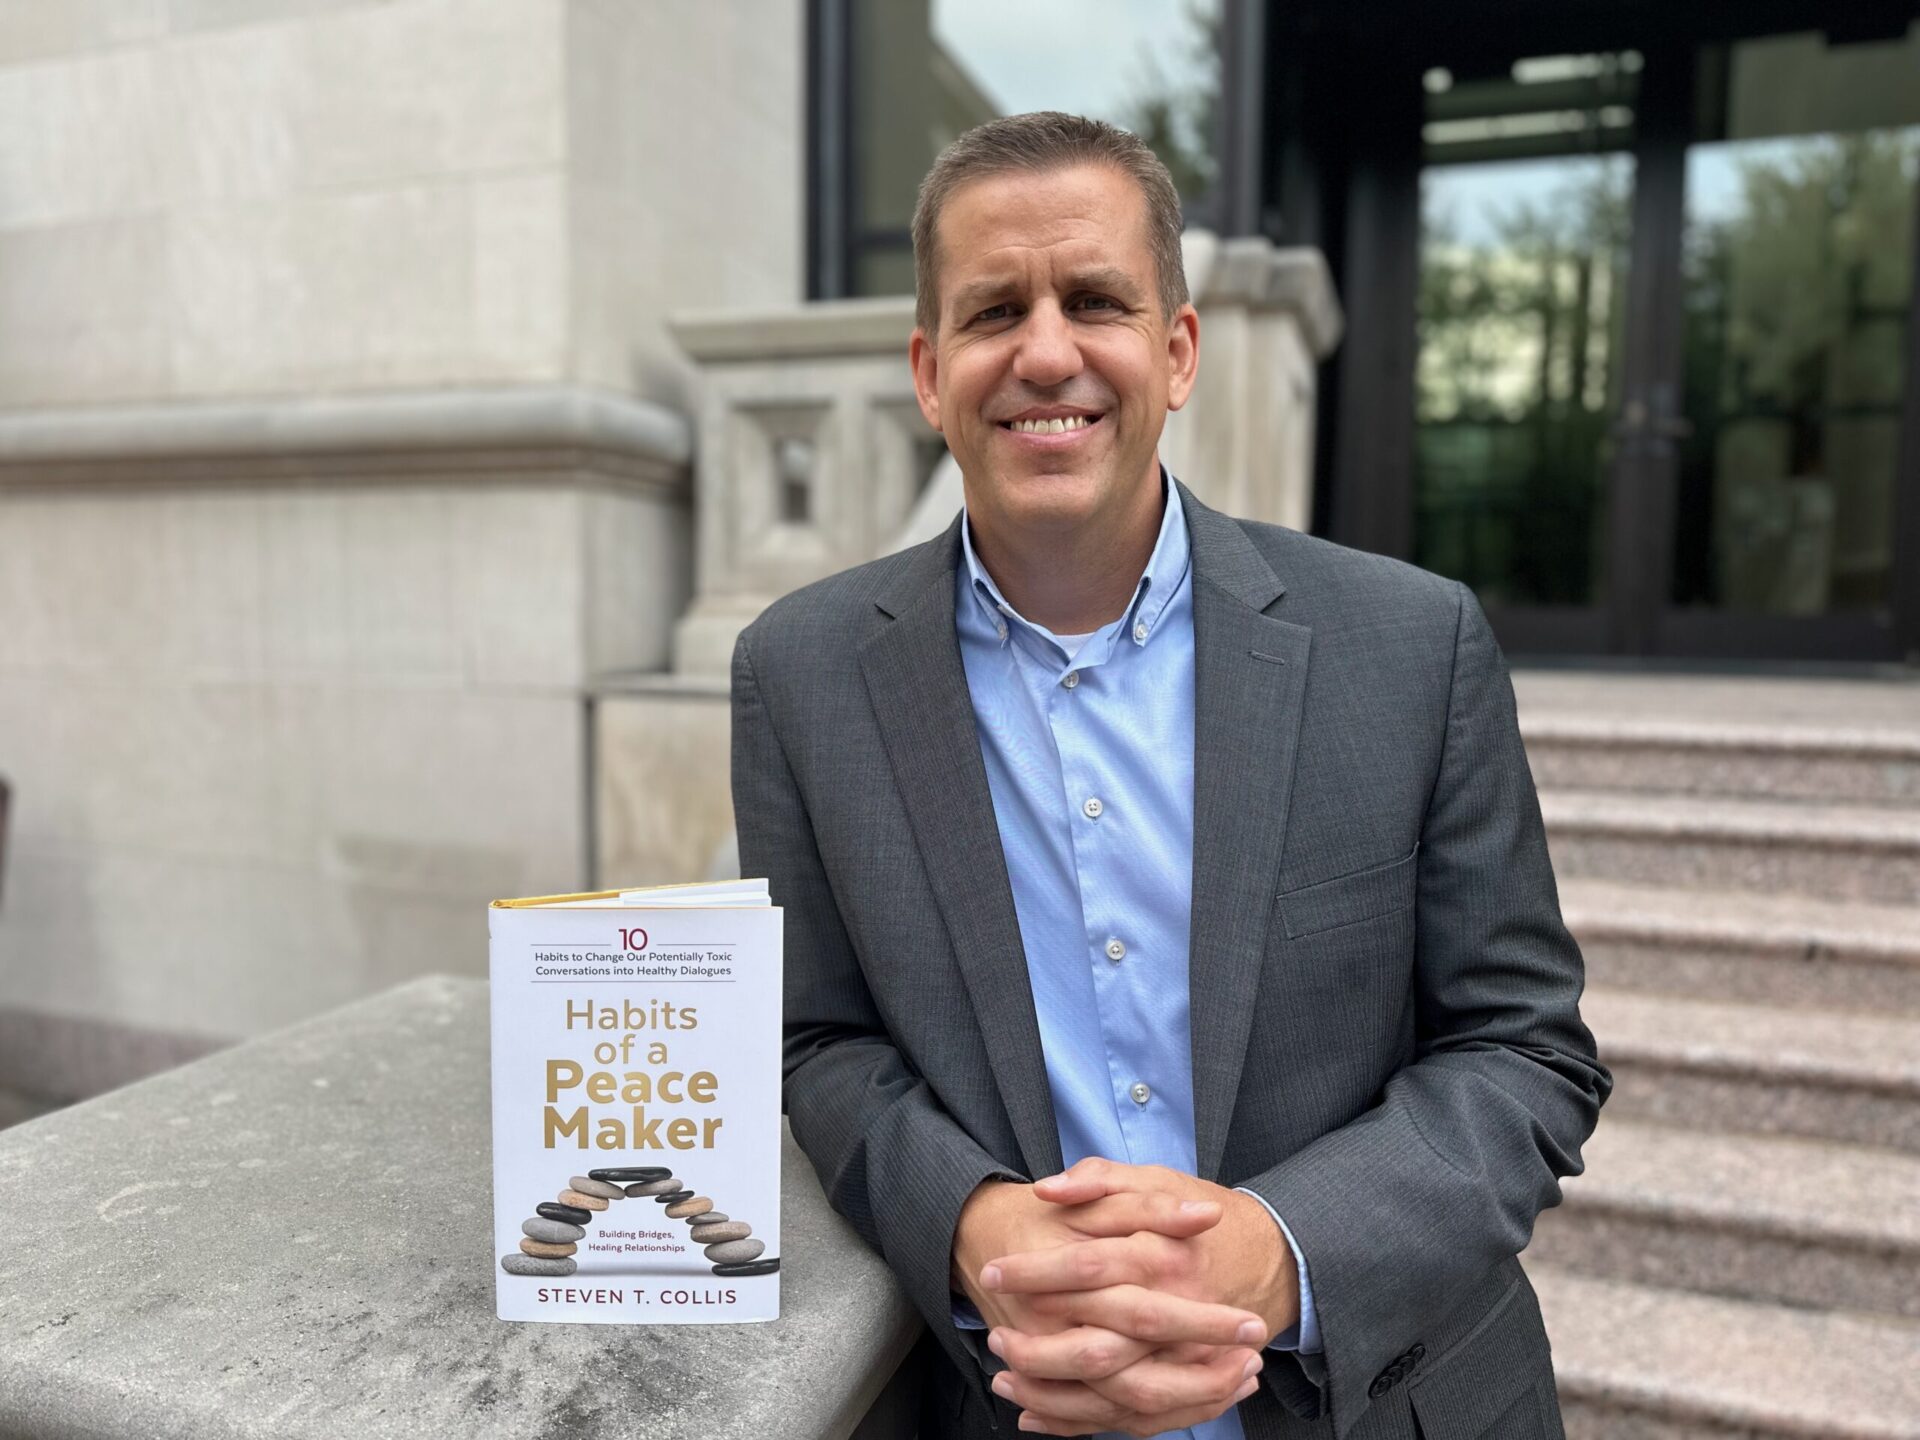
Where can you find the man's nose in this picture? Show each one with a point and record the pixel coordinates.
(1048, 353)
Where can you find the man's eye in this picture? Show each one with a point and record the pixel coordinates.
(1097, 301)
(994, 312)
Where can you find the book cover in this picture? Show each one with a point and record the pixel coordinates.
(636, 1105)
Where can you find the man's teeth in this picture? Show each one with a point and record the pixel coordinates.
(1054, 427)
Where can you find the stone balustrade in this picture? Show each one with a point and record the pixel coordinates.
(293, 1240)
(813, 454)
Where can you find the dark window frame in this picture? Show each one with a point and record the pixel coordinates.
(835, 239)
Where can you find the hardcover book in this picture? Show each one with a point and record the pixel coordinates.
(636, 1105)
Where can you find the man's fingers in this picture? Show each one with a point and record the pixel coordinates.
(1093, 1177)
(1142, 1259)
(1084, 1352)
(1185, 1420)
(1035, 1423)
(1146, 1397)
(1129, 1211)
(1145, 1314)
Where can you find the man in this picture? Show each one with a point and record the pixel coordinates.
(1200, 856)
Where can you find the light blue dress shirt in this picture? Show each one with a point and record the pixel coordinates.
(1088, 743)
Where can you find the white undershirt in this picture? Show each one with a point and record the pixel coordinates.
(1072, 643)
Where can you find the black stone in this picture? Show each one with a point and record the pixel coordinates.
(572, 1214)
(630, 1174)
(764, 1266)
(674, 1196)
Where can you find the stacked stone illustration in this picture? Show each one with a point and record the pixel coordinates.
(557, 1226)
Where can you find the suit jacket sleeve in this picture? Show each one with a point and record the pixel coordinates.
(890, 1158)
(1402, 1209)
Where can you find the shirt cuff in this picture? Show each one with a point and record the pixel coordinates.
(965, 1316)
(1303, 1335)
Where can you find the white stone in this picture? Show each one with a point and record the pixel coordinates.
(83, 310)
(85, 138)
(662, 803)
(30, 30)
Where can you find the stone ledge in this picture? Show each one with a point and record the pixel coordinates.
(292, 1238)
(878, 325)
(477, 433)
(60, 1058)
(1248, 271)
(1252, 271)
(694, 685)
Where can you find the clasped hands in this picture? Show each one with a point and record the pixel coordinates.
(1124, 1297)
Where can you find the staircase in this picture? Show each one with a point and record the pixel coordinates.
(1740, 860)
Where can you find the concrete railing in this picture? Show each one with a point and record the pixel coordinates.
(813, 453)
(813, 456)
(293, 1239)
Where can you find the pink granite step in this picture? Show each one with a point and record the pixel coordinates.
(1831, 852)
(1776, 949)
(1796, 1221)
(1695, 757)
(1760, 1069)
(1634, 1362)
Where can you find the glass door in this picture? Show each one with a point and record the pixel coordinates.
(1665, 396)
(1797, 410)
(1526, 196)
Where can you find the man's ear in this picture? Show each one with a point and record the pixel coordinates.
(1183, 351)
(924, 356)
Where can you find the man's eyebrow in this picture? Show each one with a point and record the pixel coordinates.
(1104, 277)
(980, 293)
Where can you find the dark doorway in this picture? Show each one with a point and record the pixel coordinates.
(1644, 297)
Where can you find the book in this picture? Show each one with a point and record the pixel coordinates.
(636, 1105)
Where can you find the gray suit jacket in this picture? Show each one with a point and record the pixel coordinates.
(1387, 1043)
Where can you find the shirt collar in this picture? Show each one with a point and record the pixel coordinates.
(1159, 582)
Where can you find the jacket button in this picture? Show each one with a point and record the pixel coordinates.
(1417, 1354)
(1380, 1386)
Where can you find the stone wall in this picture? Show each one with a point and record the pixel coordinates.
(210, 198)
(342, 445)
(280, 724)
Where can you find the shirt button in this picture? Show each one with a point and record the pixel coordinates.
(1140, 1093)
(1070, 679)
(1140, 632)
(1116, 950)
(1093, 807)
(1002, 631)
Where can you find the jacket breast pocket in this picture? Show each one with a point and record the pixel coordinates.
(1348, 899)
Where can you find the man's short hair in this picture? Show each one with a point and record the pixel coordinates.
(1037, 143)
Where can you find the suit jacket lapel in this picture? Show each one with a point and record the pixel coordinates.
(1250, 673)
(918, 688)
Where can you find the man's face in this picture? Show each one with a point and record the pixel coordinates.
(1049, 310)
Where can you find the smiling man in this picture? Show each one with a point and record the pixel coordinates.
(1177, 996)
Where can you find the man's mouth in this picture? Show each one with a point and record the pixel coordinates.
(1052, 425)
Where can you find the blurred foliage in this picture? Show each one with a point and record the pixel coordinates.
(1177, 120)
(1517, 384)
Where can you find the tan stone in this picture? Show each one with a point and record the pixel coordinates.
(581, 1202)
(547, 1249)
(698, 1205)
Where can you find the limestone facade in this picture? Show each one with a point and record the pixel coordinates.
(342, 443)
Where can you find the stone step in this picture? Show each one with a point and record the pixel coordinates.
(1633, 1362)
(1790, 1220)
(1830, 739)
(1689, 757)
(1826, 1074)
(1769, 949)
(1832, 852)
